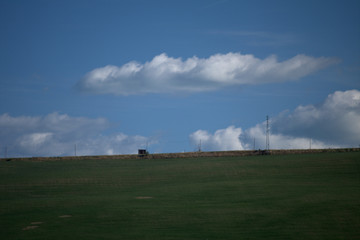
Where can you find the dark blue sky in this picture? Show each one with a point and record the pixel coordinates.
(52, 50)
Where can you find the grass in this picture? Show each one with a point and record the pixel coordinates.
(310, 196)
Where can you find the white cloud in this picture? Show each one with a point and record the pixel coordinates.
(333, 123)
(221, 140)
(165, 74)
(34, 139)
(280, 141)
(56, 135)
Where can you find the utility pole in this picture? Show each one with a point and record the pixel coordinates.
(254, 143)
(267, 134)
(310, 143)
(75, 149)
(200, 146)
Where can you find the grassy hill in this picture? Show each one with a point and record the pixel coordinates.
(305, 196)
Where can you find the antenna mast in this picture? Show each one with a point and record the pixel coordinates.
(267, 134)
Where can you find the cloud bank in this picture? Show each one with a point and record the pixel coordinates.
(165, 74)
(56, 135)
(333, 123)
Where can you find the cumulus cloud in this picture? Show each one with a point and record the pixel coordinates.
(165, 74)
(280, 141)
(335, 121)
(56, 135)
(331, 124)
(221, 140)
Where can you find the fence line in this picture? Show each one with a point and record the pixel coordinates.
(188, 154)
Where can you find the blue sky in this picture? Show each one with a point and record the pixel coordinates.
(115, 76)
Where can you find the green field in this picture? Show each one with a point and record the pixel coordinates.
(309, 196)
